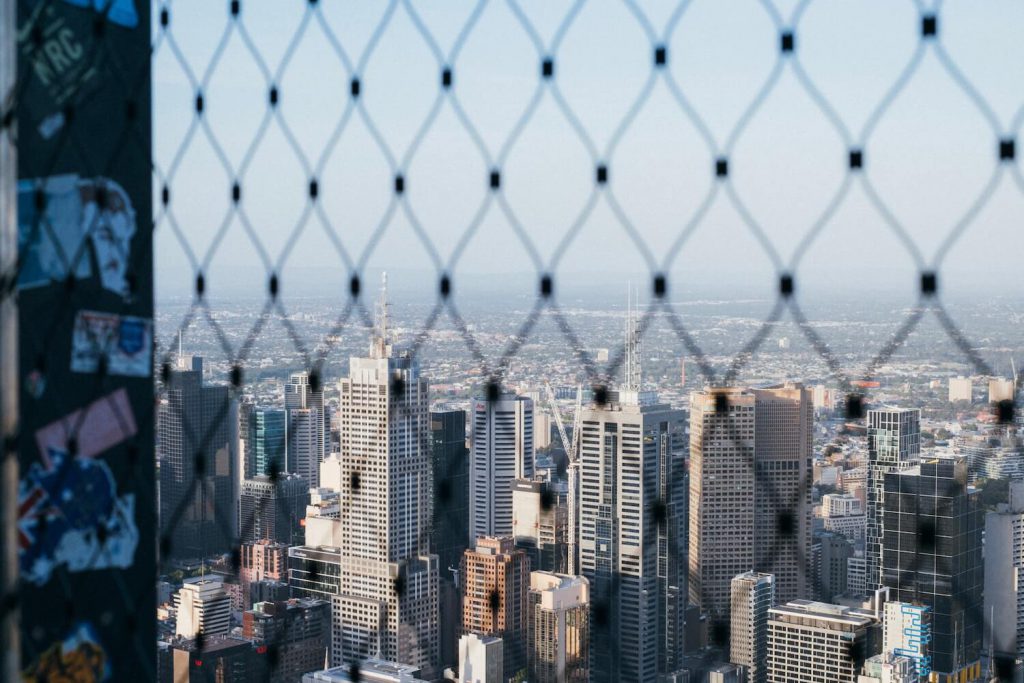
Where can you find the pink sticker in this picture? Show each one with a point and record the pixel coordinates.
(102, 424)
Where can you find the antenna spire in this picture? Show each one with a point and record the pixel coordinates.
(632, 366)
(379, 347)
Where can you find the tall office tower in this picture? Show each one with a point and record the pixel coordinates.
(1004, 577)
(894, 443)
(481, 659)
(389, 592)
(265, 442)
(449, 531)
(502, 451)
(273, 509)
(203, 608)
(632, 539)
(907, 630)
(540, 523)
(298, 631)
(721, 511)
(495, 584)
(783, 478)
(833, 552)
(261, 561)
(814, 642)
(196, 426)
(559, 628)
(753, 595)
(932, 555)
(307, 427)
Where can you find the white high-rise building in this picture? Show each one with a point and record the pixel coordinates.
(753, 595)
(203, 607)
(480, 659)
(632, 529)
(894, 444)
(1004, 573)
(814, 642)
(388, 596)
(1000, 389)
(906, 633)
(502, 451)
(306, 431)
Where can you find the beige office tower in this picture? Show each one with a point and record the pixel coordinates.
(813, 642)
(559, 632)
(753, 595)
(387, 602)
(495, 584)
(750, 491)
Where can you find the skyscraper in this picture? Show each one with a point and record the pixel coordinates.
(750, 491)
(266, 440)
(449, 531)
(1004, 576)
(307, 427)
(632, 504)
(753, 595)
(502, 451)
(273, 508)
(559, 628)
(932, 555)
(389, 594)
(197, 449)
(783, 478)
(261, 561)
(495, 585)
(721, 495)
(894, 443)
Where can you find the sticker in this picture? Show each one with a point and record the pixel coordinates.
(70, 514)
(102, 424)
(121, 12)
(80, 658)
(66, 224)
(125, 341)
(56, 54)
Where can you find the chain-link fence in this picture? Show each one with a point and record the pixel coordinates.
(781, 158)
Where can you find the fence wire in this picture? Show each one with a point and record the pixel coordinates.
(194, 494)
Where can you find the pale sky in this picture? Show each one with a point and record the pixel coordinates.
(930, 155)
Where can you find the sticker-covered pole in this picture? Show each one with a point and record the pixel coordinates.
(10, 646)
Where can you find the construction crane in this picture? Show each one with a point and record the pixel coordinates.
(572, 453)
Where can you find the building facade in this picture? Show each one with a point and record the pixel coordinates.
(306, 427)
(753, 595)
(266, 441)
(814, 642)
(203, 608)
(388, 601)
(894, 443)
(932, 556)
(632, 536)
(495, 597)
(273, 509)
(298, 630)
(559, 628)
(196, 426)
(502, 451)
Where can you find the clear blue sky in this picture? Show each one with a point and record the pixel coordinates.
(929, 157)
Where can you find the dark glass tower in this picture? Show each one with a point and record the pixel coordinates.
(449, 532)
(197, 453)
(932, 555)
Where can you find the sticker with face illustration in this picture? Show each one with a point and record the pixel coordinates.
(69, 226)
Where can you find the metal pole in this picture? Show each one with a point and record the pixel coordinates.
(10, 643)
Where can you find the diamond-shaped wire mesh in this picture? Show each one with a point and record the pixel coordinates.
(305, 147)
